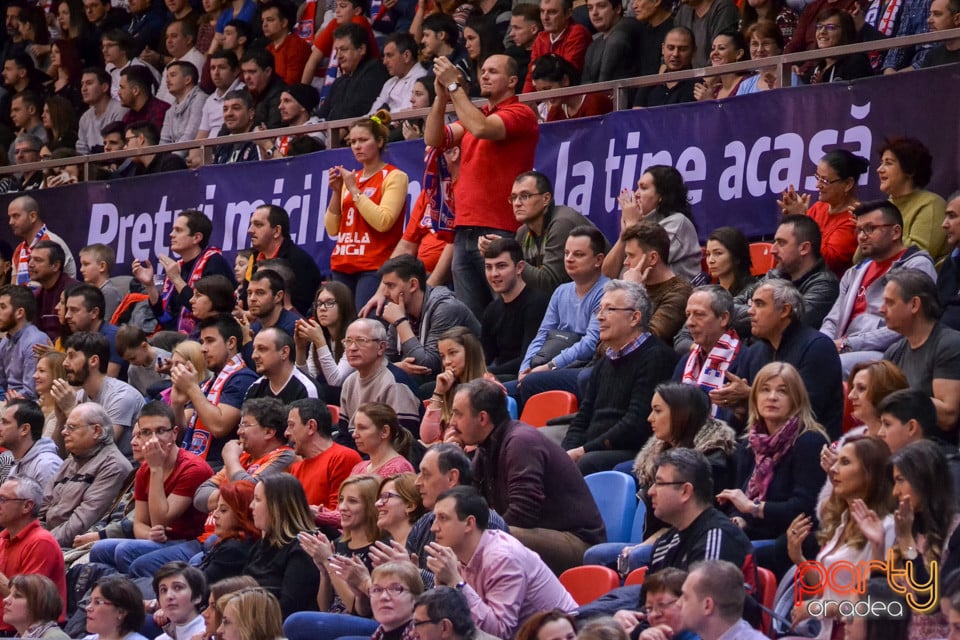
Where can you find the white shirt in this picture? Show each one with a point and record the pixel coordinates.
(396, 92)
(192, 56)
(185, 631)
(88, 135)
(212, 118)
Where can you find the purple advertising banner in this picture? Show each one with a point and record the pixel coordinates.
(736, 156)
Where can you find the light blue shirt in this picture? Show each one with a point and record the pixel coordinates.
(568, 312)
(17, 362)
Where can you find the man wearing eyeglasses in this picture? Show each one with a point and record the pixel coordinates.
(260, 450)
(854, 323)
(443, 613)
(164, 515)
(374, 380)
(544, 227)
(89, 480)
(25, 547)
(611, 425)
(682, 496)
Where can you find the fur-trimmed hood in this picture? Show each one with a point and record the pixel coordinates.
(714, 436)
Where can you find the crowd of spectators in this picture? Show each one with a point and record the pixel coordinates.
(79, 80)
(316, 433)
(279, 447)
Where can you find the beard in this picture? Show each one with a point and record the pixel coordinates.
(78, 378)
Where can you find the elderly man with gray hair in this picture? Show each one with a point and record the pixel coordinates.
(611, 425)
(776, 312)
(90, 478)
(25, 547)
(374, 379)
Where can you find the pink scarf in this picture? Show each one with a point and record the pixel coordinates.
(768, 451)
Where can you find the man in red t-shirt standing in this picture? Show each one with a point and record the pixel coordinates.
(497, 143)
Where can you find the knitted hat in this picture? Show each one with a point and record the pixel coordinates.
(306, 95)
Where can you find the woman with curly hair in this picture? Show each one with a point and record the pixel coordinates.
(856, 523)
(906, 167)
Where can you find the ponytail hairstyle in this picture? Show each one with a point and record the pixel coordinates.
(377, 125)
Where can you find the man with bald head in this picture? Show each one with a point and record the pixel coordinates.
(274, 355)
(374, 379)
(498, 142)
(23, 214)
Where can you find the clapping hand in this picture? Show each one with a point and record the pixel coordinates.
(793, 202)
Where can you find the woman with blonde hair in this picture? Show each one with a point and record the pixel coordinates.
(378, 434)
(278, 562)
(187, 352)
(32, 607)
(366, 210)
(49, 368)
(778, 473)
(213, 615)
(350, 552)
(251, 614)
(861, 501)
(399, 506)
(463, 361)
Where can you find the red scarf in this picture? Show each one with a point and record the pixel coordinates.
(198, 437)
(187, 322)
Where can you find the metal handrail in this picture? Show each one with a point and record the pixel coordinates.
(783, 62)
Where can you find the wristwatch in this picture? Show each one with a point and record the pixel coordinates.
(453, 86)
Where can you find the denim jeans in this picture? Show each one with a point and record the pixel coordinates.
(308, 625)
(363, 285)
(141, 558)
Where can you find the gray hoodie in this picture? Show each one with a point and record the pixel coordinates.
(41, 462)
